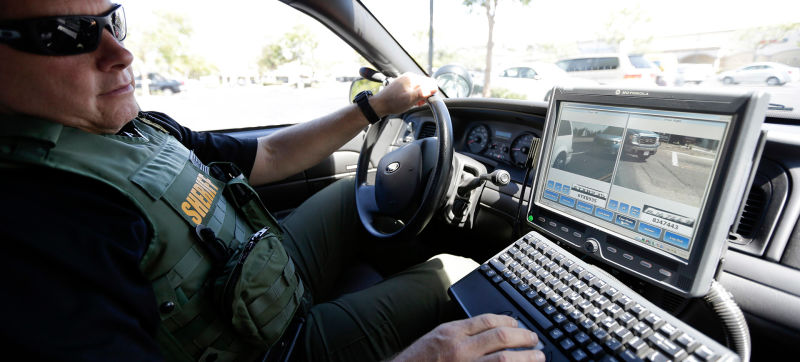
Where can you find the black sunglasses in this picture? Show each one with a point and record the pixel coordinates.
(63, 35)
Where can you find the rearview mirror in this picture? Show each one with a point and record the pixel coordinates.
(454, 80)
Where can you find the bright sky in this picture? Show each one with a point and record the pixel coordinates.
(232, 35)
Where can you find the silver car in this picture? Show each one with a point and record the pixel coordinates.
(764, 73)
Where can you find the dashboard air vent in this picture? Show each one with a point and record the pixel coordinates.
(428, 129)
(753, 211)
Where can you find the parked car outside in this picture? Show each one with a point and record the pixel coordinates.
(609, 140)
(535, 80)
(768, 73)
(613, 69)
(158, 83)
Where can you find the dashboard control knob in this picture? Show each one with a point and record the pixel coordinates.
(591, 245)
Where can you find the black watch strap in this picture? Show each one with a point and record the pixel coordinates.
(362, 100)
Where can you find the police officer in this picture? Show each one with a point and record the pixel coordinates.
(121, 243)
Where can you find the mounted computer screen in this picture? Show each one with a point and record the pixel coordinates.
(646, 180)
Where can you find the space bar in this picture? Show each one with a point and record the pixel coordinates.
(527, 307)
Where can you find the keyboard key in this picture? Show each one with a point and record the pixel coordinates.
(638, 346)
(625, 302)
(531, 294)
(609, 324)
(549, 310)
(612, 293)
(629, 356)
(582, 338)
(565, 307)
(654, 321)
(613, 310)
(639, 311)
(508, 274)
(569, 279)
(556, 334)
(613, 345)
(514, 280)
(579, 271)
(567, 344)
(576, 316)
(687, 342)
(539, 302)
(559, 318)
(570, 328)
(579, 355)
(497, 279)
(579, 286)
(589, 278)
(523, 287)
(600, 335)
(490, 273)
(627, 320)
(569, 265)
(609, 358)
(589, 294)
(597, 315)
(704, 353)
(622, 334)
(642, 330)
(588, 325)
(670, 331)
(670, 349)
(601, 302)
(599, 285)
(594, 349)
(655, 356)
(497, 265)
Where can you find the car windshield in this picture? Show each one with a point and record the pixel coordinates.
(259, 62)
(621, 43)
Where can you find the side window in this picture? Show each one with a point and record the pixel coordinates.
(564, 128)
(237, 68)
(606, 63)
(527, 73)
(511, 73)
(564, 65)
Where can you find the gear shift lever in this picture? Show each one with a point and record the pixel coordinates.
(461, 201)
(498, 177)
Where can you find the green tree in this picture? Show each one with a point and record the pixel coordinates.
(490, 6)
(297, 45)
(164, 47)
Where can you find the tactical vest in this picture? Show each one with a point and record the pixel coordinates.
(211, 309)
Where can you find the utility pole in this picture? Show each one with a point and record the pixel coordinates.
(430, 43)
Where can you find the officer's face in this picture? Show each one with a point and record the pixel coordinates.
(92, 91)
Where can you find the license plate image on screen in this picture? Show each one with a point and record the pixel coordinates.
(640, 173)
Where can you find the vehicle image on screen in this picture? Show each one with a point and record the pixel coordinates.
(563, 145)
(772, 74)
(762, 259)
(641, 143)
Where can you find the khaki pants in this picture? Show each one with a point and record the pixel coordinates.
(374, 323)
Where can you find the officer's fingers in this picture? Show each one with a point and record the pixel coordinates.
(497, 339)
(508, 356)
(485, 322)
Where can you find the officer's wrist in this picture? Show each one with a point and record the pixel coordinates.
(376, 102)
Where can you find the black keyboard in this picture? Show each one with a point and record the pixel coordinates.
(579, 312)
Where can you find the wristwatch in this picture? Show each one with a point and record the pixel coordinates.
(362, 100)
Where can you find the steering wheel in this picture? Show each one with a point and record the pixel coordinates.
(410, 182)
